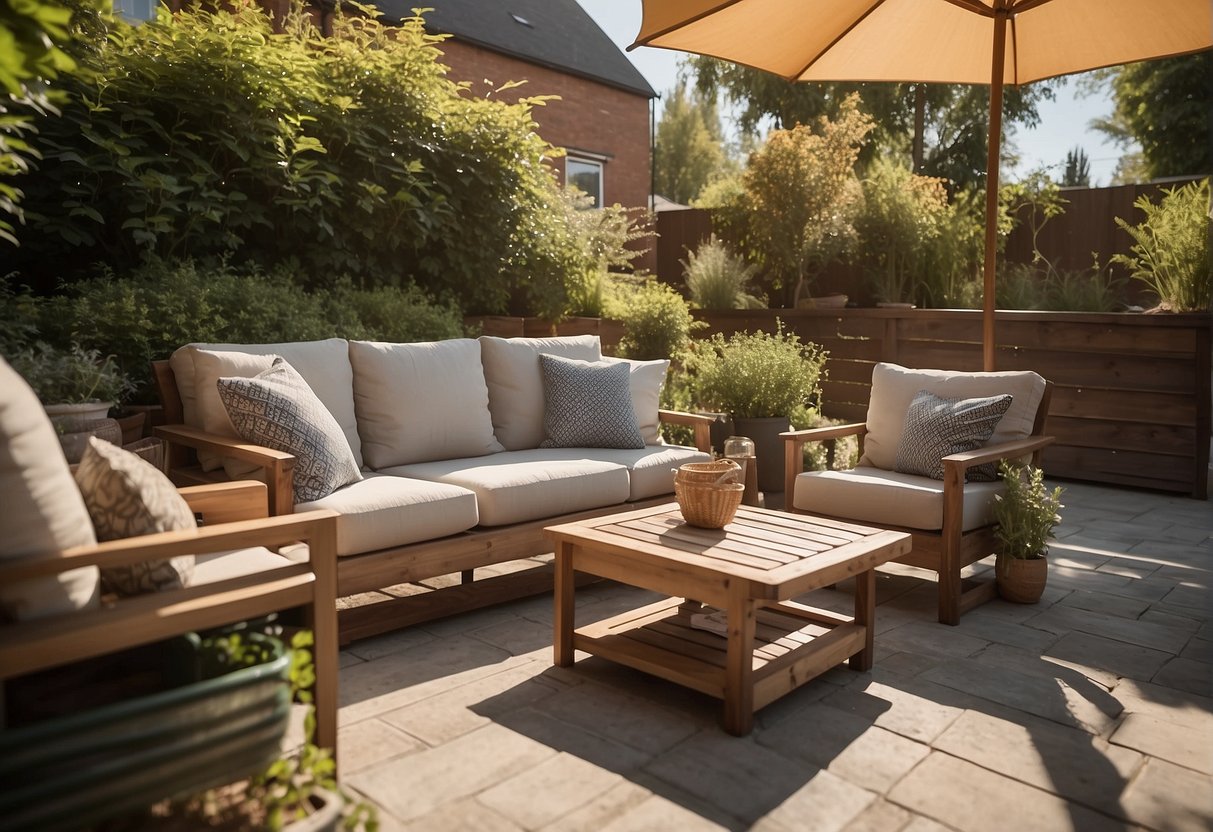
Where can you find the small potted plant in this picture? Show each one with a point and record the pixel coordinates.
(1026, 514)
(74, 384)
(760, 379)
(77, 387)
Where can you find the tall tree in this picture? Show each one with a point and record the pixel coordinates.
(1078, 169)
(1164, 107)
(940, 127)
(689, 146)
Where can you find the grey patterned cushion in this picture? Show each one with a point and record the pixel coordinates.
(936, 427)
(588, 404)
(276, 408)
(127, 497)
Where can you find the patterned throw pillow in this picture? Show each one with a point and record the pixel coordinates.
(588, 404)
(277, 409)
(127, 497)
(936, 427)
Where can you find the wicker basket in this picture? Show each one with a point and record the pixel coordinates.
(708, 492)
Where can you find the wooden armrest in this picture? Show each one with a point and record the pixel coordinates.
(819, 434)
(268, 531)
(795, 440)
(993, 453)
(227, 502)
(278, 466)
(702, 425)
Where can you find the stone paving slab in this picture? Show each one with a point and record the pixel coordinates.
(1167, 740)
(1064, 761)
(1109, 655)
(1186, 674)
(565, 783)
(970, 798)
(1170, 797)
(825, 803)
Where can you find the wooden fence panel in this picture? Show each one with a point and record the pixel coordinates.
(1131, 402)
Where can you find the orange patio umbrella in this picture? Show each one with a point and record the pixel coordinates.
(993, 42)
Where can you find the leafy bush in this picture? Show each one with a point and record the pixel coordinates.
(757, 375)
(951, 275)
(147, 314)
(717, 278)
(1019, 286)
(1171, 250)
(597, 244)
(901, 219)
(657, 321)
(204, 134)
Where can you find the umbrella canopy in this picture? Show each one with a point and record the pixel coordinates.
(993, 42)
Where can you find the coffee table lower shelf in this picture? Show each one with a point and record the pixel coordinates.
(793, 643)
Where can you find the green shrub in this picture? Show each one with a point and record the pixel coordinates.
(951, 276)
(597, 244)
(147, 314)
(901, 218)
(657, 321)
(757, 375)
(1019, 286)
(204, 134)
(717, 278)
(1026, 511)
(1171, 251)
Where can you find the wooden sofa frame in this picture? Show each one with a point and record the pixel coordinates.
(461, 553)
(949, 550)
(235, 517)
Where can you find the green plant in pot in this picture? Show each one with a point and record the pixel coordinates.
(760, 379)
(77, 387)
(1026, 513)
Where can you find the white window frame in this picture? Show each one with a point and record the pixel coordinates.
(585, 161)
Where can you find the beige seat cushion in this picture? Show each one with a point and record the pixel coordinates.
(41, 512)
(420, 402)
(385, 511)
(515, 383)
(888, 498)
(646, 380)
(894, 387)
(515, 486)
(220, 566)
(650, 469)
(324, 365)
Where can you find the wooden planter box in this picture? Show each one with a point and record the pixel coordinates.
(1131, 402)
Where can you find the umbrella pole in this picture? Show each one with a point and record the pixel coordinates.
(995, 141)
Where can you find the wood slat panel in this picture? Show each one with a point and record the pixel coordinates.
(1146, 437)
(1114, 405)
(1112, 370)
(1164, 473)
(1099, 337)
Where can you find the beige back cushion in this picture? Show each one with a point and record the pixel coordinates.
(41, 512)
(421, 402)
(646, 380)
(324, 365)
(515, 383)
(894, 387)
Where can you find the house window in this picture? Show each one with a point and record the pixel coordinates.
(135, 11)
(586, 175)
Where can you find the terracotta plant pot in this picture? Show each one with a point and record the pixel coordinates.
(1021, 580)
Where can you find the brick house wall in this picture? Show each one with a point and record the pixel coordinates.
(592, 117)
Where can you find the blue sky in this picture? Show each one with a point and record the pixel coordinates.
(1064, 121)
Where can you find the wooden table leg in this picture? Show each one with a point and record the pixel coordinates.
(865, 614)
(739, 666)
(562, 637)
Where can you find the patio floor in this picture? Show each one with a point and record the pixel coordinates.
(1091, 710)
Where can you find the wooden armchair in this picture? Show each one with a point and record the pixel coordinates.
(950, 520)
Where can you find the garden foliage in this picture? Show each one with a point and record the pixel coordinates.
(148, 313)
(207, 135)
(717, 278)
(755, 375)
(1171, 250)
(657, 321)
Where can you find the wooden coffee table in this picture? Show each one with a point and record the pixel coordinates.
(752, 569)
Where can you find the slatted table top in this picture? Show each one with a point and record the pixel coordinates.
(779, 554)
